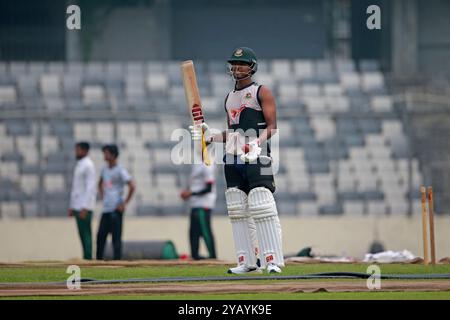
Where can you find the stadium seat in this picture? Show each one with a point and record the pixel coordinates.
(155, 67)
(287, 207)
(56, 208)
(10, 210)
(299, 183)
(54, 183)
(8, 95)
(308, 208)
(93, 94)
(326, 125)
(372, 82)
(326, 197)
(94, 72)
(310, 90)
(369, 65)
(72, 85)
(366, 183)
(54, 104)
(381, 103)
(316, 105)
(345, 66)
(30, 209)
(318, 167)
(303, 69)
(265, 78)
(376, 207)
(281, 69)
(398, 208)
(346, 183)
(157, 82)
(75, 68)
(104, 132)
(3, 70)
(17, 68)
(353, 207)
(325, 71)
(55, 68)
(332, 209)
(350, 81)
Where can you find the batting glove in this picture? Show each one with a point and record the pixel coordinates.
(253, 151)
(196, 131)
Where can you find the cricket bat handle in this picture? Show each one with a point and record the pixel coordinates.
(205, 155)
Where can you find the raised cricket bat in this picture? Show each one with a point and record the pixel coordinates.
(193, 101)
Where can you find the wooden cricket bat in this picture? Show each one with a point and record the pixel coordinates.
(193, 101)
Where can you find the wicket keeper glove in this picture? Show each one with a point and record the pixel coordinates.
(253, 152)
(196, 132)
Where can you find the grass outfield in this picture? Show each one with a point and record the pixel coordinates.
(265, 296)
(58, 273)
(45, 274)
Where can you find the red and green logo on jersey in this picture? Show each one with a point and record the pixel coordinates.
(236, 112)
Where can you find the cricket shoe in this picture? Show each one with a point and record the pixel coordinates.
(242, 269)
(273, 268)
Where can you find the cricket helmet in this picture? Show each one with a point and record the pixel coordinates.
(245, 54)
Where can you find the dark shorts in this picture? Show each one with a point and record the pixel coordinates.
(247, 176)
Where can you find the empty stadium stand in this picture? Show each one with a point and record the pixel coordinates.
(343, 147)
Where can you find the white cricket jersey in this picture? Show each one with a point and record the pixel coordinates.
(238, 100)
(201, 175)
(84, 189)
(244, 112)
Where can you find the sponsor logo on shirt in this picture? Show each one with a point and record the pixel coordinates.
(236, 112)
(108, 184)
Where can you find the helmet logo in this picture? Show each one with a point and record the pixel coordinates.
(238, 52)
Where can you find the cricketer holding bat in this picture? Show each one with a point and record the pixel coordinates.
(251, 115)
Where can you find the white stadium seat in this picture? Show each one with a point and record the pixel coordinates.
(54, 183)
(308, 208)
(50, 84)
(303, 69)
(8, 94)
(350, 81)
(10, 210)
(157, 82)
(372, 81)
(281, 68)
(353, 207)
(376, 207)
(381, 103)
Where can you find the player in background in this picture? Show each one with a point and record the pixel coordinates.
(202, 199)
(113, 179)
(251, 115)
(82, 196)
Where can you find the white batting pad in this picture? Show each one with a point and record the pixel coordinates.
(253, 234)
(262, 208)
(237, 211)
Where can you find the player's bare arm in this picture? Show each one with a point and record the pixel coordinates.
(100, 188)
(131, 190)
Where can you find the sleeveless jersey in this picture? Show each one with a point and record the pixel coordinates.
(244, 109)
(244, 112)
